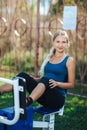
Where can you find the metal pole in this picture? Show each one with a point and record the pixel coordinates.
(37, 38)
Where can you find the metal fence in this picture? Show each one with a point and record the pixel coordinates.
(25, 35)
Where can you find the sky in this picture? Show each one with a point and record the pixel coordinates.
(44, 5)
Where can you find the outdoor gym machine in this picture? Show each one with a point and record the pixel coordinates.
(21, 117)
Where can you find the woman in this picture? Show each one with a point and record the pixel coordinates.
(58, 75)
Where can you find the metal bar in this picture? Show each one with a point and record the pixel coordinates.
(16, 102)
(37, 38)
(40, 124)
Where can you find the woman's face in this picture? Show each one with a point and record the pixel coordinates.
(60, 43)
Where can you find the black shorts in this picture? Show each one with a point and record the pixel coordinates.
(51, 98)
(45, 81)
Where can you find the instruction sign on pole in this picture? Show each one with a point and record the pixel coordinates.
(69, 17)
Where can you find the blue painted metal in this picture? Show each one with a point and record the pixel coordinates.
(44, 110)
(21, 124)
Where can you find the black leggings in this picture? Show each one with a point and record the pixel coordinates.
(51, 98)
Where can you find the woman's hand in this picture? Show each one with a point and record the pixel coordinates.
(53, 83)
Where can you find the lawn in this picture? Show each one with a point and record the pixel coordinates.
(74, 117)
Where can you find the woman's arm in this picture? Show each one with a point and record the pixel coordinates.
(5, 88)
(71, 76)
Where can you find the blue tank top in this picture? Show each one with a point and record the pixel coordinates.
(57, 72)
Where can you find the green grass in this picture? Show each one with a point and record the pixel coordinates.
(74, 117)
(6, 100)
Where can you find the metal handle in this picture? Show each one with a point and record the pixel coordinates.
(15, 84)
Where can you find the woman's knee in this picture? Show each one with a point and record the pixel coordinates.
(23, 75)
(45, 81)
(30, 82)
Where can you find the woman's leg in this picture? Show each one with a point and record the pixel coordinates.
(41, 92)
(47, 97)
(35, 89)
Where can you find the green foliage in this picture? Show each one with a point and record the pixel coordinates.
(70, 2)
(75, 115)
(80, 68)
(1, 4)
(75, 100)
(82, 0)
(57, 7)
(8, 60)
(23, 62)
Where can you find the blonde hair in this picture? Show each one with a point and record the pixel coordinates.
(62, 33)
(41, 71)
(52, 50)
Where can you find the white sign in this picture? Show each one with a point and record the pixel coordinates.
(70, 17)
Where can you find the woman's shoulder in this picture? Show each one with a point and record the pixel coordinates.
(70, 61)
